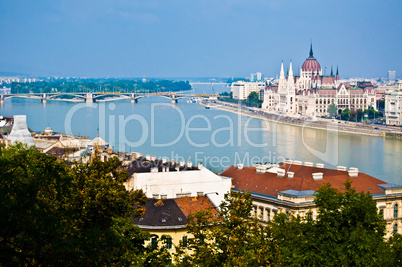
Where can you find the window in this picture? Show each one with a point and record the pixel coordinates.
(396, 211)
(154, 242)
(382, 213)
(169, 242)
(395, 230)
(184, 240)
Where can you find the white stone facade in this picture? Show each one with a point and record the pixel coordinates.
(175, 184)
(287, 100)
(242, 89)
(393, 108)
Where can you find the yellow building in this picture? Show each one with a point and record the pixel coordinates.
(289, 188)
(169, 217)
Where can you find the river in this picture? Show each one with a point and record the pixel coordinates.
(188, 131)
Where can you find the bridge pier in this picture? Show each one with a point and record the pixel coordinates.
(134, 100)
(1, 100)
(174, 101)
(89, 98)
(43, 100)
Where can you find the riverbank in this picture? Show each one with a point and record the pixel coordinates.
(320, 124)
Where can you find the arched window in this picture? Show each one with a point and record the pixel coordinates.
(395, 230)
(396, 211)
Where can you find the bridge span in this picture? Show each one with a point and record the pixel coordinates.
(99, 96)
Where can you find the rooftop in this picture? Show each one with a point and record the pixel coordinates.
(172, 213)
(299, 180)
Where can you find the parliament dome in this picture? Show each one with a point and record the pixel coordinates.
(311, 64)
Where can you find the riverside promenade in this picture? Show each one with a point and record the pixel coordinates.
(320, 123)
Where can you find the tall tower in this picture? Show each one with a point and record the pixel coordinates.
(282, 80)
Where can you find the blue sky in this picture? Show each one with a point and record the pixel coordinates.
(189, 38)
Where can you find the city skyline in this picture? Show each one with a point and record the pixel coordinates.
(197, 39)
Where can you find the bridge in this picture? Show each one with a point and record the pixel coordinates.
(99, 96)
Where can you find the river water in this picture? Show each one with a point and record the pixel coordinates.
(218, 139)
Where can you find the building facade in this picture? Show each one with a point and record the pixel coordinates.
(242, 89)
(289, 188)
(310, 94)
(164, 180)
(393, 108)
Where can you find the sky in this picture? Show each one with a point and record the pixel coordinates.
(198, 38)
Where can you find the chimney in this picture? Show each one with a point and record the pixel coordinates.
(258, 170)
(309, 164)
(320, 165)
(280, 172)
(148, 157)
(164, 160)
(163, 196)
(153, 158)
(341, 168)
(189, 164)
(155, 196)
(239, 166)
(297, 162)
(288, 161)
(318, 175)
(182, 163)
(291, 175)
(263, 170)
(353, 172)
(199, 166)
(200, 194)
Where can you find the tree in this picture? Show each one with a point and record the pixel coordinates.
(232, 239)
(253, 100)
(345, 114)
(332, 110)
(62, 216)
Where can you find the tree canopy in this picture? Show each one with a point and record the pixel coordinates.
(348, 231)
(332, 110)
(56, 215)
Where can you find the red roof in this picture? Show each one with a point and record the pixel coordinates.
(270, 184)
(327, 91)
(311, 64)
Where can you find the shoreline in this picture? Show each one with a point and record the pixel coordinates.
(339, 126)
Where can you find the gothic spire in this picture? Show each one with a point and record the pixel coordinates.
(282, 74)
(332, 73)
(311, 49)
(291, 70)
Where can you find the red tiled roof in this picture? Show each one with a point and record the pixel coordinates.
(327, 91)
(311, 64)
(327, 79)
(270, 184)
(190, 205)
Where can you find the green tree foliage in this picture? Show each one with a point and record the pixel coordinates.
(332, 110)
(345, 115)
(231, 239)
(348, 231)
(253, 100)
(55, 215)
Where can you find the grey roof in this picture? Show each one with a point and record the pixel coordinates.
(296, 193)
(161, 212)
(389, 186)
